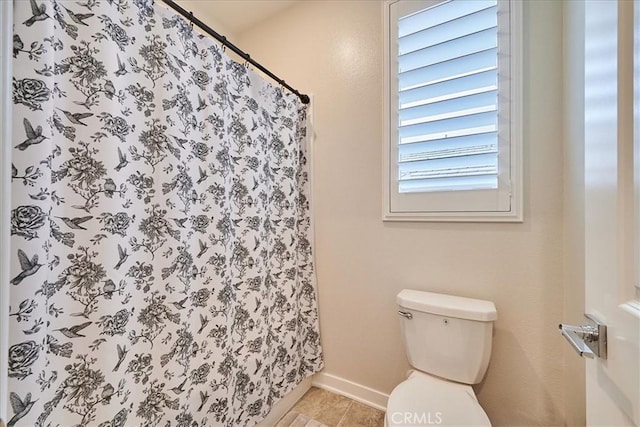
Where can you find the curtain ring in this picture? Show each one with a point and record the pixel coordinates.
(191, 20)
(246, 60)
(224, 43)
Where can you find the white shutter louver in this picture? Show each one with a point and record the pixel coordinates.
(453, 110)
(448, 97)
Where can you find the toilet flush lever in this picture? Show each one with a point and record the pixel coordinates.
(588, 340)
(405, 314)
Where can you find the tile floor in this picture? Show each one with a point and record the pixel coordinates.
(319, 408)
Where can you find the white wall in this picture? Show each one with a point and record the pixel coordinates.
(204, 10)
(333, 50)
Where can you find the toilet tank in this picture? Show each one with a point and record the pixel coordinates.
(447, 336)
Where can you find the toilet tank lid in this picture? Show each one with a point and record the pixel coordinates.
(447, 305)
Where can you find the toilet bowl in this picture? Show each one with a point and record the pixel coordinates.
(448, 343)
(426, 400)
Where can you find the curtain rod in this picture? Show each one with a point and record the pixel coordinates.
(222, 39)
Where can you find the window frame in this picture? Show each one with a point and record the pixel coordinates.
(512, 213)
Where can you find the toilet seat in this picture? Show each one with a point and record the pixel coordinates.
(424, 400)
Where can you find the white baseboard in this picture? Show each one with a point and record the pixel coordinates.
(346, 388)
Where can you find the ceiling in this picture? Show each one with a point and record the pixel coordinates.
(235, 16)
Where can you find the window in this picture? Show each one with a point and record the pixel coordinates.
(453, 110)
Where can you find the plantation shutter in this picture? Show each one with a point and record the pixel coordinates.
(447, 98)
(453, 109)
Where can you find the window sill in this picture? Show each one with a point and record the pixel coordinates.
(513, 217)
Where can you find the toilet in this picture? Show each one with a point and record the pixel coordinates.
(448, 344)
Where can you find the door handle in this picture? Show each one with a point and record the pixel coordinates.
(589, 340)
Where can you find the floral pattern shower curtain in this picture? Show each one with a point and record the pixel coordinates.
(162, 269)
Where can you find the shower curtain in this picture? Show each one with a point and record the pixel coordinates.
(162, 269)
